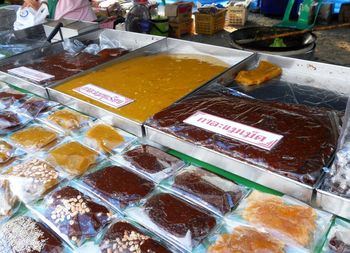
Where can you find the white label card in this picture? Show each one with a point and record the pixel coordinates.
(31, 74)
(250, 135)
(103, 96)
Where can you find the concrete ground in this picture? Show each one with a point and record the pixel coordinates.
(333, 46)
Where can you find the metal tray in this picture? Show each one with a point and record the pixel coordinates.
(132, 41)
(333, 203)
(230, 56)
(309, 74)
(301, 82)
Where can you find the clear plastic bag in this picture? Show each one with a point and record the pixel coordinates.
(73, 214)
(148, 160)
(338, 179)
(107, 139)
(36, 106)
(125, 236)
(10, 121)
(36, 137)
(174, 219)
(288, 219)
(206, 189)
(73, 46)
(107, 42)
(27, 233)
(338, 239)
(32, 178)
(244, 238)
(292, 156)
(67, 120)
(8, 201)
(9, 153)
(10, 97)
(116, 185)
(73, 157)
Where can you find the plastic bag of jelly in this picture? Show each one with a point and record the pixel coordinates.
(291, 220)
(10, 97)
(209, 119)
(8, 201)
(12, 120)
(174, 219)
(150, 160)
(73, 213)
(27, 233)
(242, 237)
(124, 235)
(35, 106)
(32, 178)
(206, 189)
(116, 185)
(338, 239)
(105, 138)
(9, 153)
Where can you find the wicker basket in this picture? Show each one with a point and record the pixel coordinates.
(210, 23)
(236, 15)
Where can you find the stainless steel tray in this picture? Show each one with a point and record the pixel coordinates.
(311, 74)
(132, 41)
(333, 203)
(230, 56)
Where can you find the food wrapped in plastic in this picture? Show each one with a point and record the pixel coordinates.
(8, 153)
(204, 188)
(35, 137)
(8, 201)
(9, 96)
(338, 179)
(338, 240)
(11, 121)
(73, 157)
(297, 125)
(107, 139)
(122, 236)
(36, 106)
(118, 186)
(31, 179)
(174, 219)
(244, 238)
(150, 161)
(66, 119)
(63, 65)
(74, 215)
(26, 234)
(292, 220)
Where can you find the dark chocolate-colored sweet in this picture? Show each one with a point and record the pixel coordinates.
(150, 159)
(178, 217)
(35, 106)
(118, 185)
(9, 121)
(64, 64)
(196, 184)
(112, 52)
(125, 238)
(25, 235)
(75, 214)
(309, 134)
(7, 98)
(338, 246)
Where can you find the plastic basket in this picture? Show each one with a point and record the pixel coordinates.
(178, 29)
(209, 24)
(236, 15)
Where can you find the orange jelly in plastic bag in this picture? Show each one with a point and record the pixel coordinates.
(246, 240)
(297, 222)
(152, 82)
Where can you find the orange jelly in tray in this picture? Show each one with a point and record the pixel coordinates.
(149, 83)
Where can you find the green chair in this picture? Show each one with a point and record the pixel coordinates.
(304, 17)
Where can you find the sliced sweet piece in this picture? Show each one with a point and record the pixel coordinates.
(263, 73)
(247, 240)
(74, 157)
(298, 222)
(35, 137)
(67, 119)
(105, 137)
